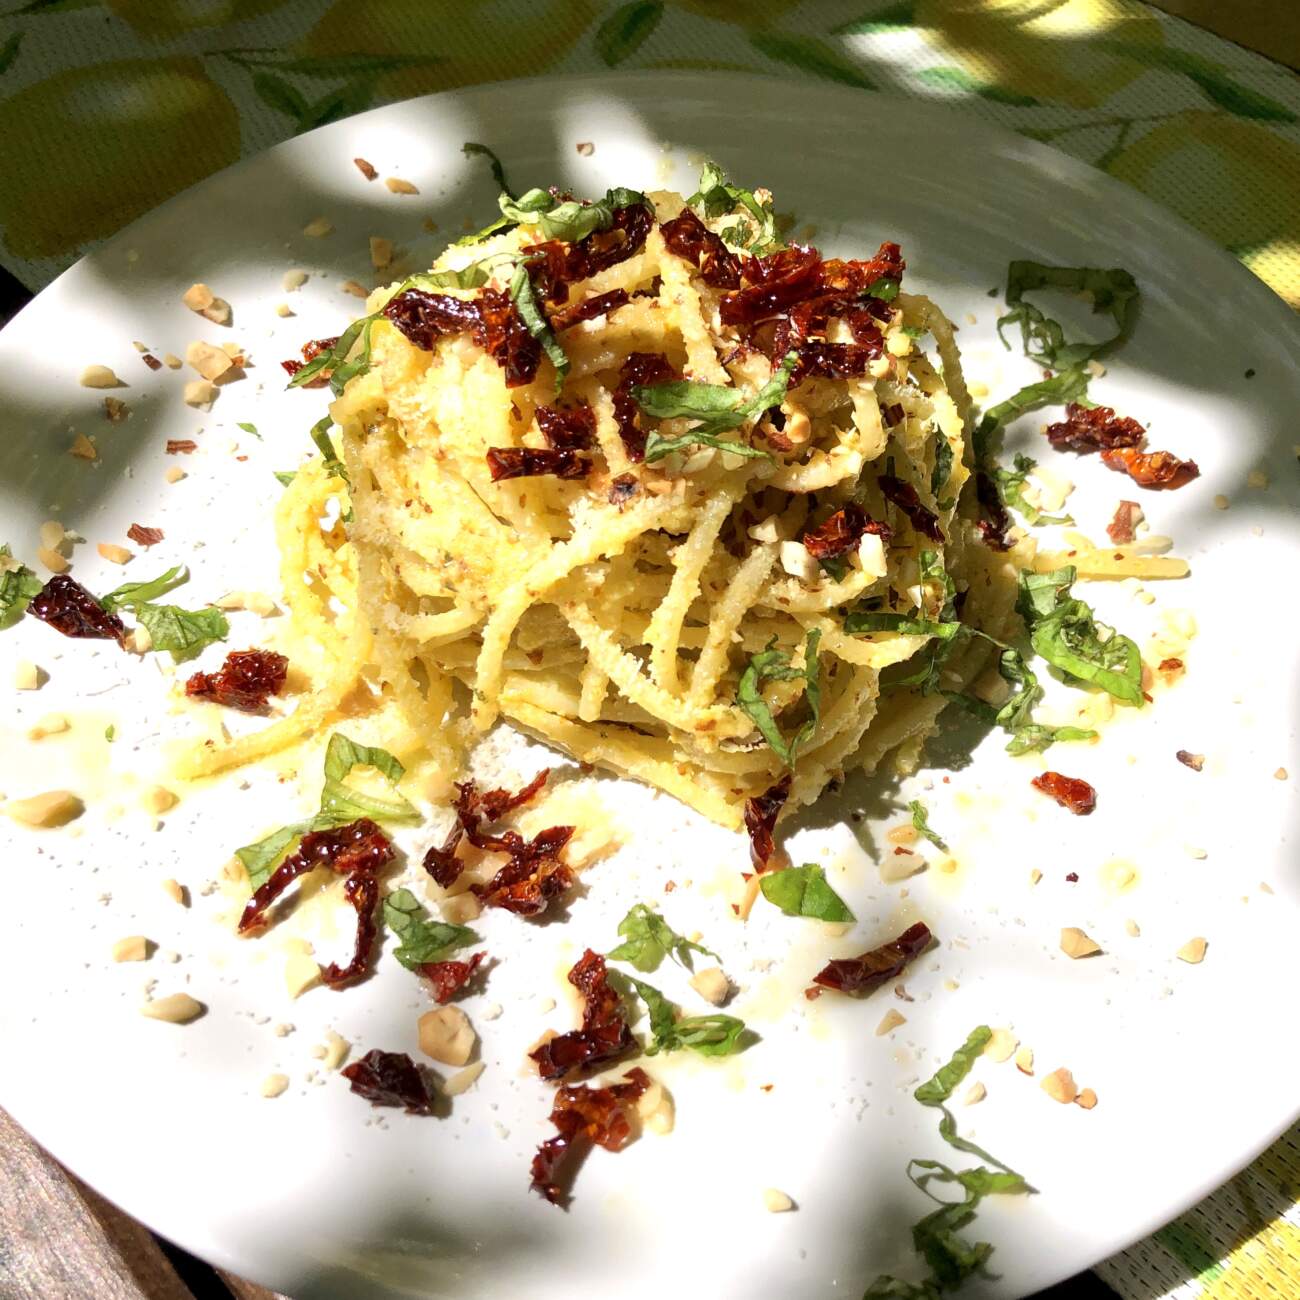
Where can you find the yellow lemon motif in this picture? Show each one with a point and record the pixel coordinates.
(91, 148)
(472, 40)
(166, 18)
(1043, 49)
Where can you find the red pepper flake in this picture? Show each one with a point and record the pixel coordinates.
(366, 169)
(1195, 761)
(449, 977)
(865, 974)
(1096, 428)
(599, 304)
(69, 608)
(761, 813)
(181, 446)
(1122, 528)
(1069, 791)
(690, 238)
(996, 522)
(390, 1079)
(245, 681)
(645, 369)
(903, 495)
(529, 462)
(604, 1035)
(570, 428)
(623, 489)
(144, 535)
(842, 532)
(584, 1116)
(151, 361)
(1072, 877)
(1153, 469)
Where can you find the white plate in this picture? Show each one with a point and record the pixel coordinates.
(314, 1194)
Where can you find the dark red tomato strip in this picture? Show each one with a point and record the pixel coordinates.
(996, 522)
(690, 238)
(761, 813)
(842, 532)
(865, 974)
(533, 877)
(361, 889)
(570, 428)
(449, 977)
(245, 681)
(529, 462)
(604, 1035)
(1155, 469)
(644, 369)
(1069, 791)
(390, 1079)
(554, 265)
(599, 304)
(1097, 428)
(69, 608)
(903, 495)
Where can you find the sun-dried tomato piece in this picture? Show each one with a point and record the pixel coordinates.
(359, 848)
(865, 974)
(842, 532)
(529, 462)
(571, 428)
(1098, 428)
(473, 808)
(245, 681)
(533, 876)
(644, 369)
(584, 1115)
(857, 276)
(1122, 528)
(834, 360)
(622, 489)
(604, 1034)
(903, 495)
(1153, 469)
(689, 237)
(761, 813)
(144, 536)
(774, 284)
(996, 522)
(69, 608)
(598, 304)
(361, 890)
(440, 860)
(181, 446)
(423, 318)
(491, 805)
(310, 351)
(390, 1079)
(555, 264)
(1069, 791)
(503, 335)
(449, 977)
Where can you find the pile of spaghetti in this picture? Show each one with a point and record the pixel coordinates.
(656, 487)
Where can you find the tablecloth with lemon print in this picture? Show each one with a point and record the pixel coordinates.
(106, 109)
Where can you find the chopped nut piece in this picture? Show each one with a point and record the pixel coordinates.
(1193, 951)
(1060, 1086)
(460, 909)
(446, 1035)
(355, 288)
(176, 891)
(712, 985)
(199, 392)
(1132, 928)
(318, 228)
(336, 1050)
(134, 947)
(1194, 851)
(889, 1022)
(300, 973)
(381, 251)
(1220, 502)
(274, 1084)
(397, 185)
(217, 311)
(115, 410)
(776, 1202)
(656, 1108)
(1025, 1060)
(52, 560)
(366, 169)
(113, 553)
(900, 864)
(1001, 1045)
(1086, 1098)
(52, 534)
(292, 280)
(211, 362)
(463, 1081)
(158, 799)
(174, 474)
(198, 296)
(99, 377)
(1281, 774)
(139, 640)
(1035, 876)
(1257, 479)
(902, 835)
(53, 808)
(52, 724)
(175, 1009)
(585, 148)
(1075, 943)
(27, 676)
(283, 309)
(82, 448)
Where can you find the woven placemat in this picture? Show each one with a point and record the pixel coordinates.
(138, 99)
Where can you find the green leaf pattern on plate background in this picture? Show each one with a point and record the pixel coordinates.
(142, 98)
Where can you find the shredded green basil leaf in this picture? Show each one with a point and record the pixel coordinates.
(774, 665)
(182, 631)
(942, 471)
(648, 939)
(1063, 629)
(470, 147)
(803, 891)
(137, 593)
(421, 938)
(1011, 488)
(857, 622)
(320, 435)
(755, 231)
(920, 820)
(250, 428)
(285, 476)
(568, 220)
(885, 288)
(530, 312)
(17, 587)
(110, 733)
(657, 446)
(1068, 386)
(710, 1035)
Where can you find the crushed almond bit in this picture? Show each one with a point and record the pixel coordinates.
(1001, 1045)
(366, 169)
(134, 947)
(396, 185)
(283, 309)
(446, 1035)
(902, 835)
(355, 288)
(318, 228)
(585, 148)
(1060, 1086)
(199, 392)
(158, 799)
(1025, 1060)
(82, 448)
(1281, 774)
(1075, 943)
(1035, 876)
(27, 676)
(1220, 501)
(50, 809)
(198, 296)
(115, 410)
(274, 1084)
(900, 864)
(114, 554)
(174, 474)
(217, 311)
(974, 1094)
(52, 534)
(292, 280)
(52, 560)
(712, 985)
(1086, 1098)
(52, 724)
(1132, 928)
(175, 1009)
(776, 1202)
(172, 361)
(889, 1022)
(211, 362)
(460, 909)
(463, 1080)
(301, 973)
(381, 251)
(176, 891)
(1193, 951)
(99, 377)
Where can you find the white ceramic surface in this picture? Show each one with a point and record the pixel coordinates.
(312, 1192)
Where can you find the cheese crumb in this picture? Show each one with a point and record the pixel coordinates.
(797, 560)
(712, 985)
(889, 1022)
(199, 392)
(493, 1011)
(1281, 774)
(274, 1084)
(211, 362)
(335, 1051)
(99, 377)
(871, 554)
(898, 866)
(175, 1009)
(283, 309)
(1193, 951)
(300, 973)
(198, 296)
(460, 908)
(27, 676)
(1193, 851)
(1035, 876)
(463, 1081)
(776, 1202)
(1132, 928)
(1220, 502)
(174, 474)
(1075, 943)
